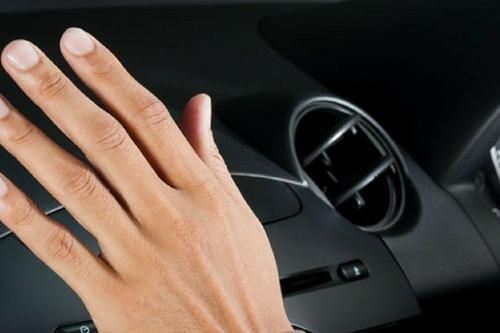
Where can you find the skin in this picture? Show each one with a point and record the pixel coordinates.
(180, 248)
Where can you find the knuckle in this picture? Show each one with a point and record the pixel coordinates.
(53, 84)
(21, 213)
(215, 154)
(103, 66)
(150, 113)
(61, 245)
(80, 182)
(215, 204)
(210, 196)
(111, 136)
(213, 199)
(203, 184)
(23, 134)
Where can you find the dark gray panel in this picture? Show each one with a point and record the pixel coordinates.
(270, 200)
(437, 245)
(320, 237)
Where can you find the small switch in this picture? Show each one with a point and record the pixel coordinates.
(352, 271)
(86, 327)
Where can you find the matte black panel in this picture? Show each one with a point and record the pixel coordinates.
(270, 200)
(434, 241)
(319, 237)
(427, 70)
(437, 245)
(483, 209)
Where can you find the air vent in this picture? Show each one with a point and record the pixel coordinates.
(351, 163)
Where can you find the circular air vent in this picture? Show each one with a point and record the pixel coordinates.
(350, 162)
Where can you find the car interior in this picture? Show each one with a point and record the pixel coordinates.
(364, 134)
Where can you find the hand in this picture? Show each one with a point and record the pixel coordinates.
(180, 249)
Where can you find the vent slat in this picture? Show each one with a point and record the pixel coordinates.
(334, 136)
(351, 163)
(380, 167)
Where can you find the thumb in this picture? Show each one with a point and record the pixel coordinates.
(196, 125)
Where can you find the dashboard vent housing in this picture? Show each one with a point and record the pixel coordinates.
(350, 162)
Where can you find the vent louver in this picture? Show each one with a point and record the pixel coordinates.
(351, 163)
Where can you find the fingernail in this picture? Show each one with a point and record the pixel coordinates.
(4, 108)
(77, 42)
(3, 186)
(207, 112)
(22, 55)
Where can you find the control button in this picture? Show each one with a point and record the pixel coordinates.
(352, 271)
(87, 327)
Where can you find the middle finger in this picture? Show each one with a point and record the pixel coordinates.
(103, 139)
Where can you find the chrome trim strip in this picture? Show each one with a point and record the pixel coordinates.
(5, 234)
(278, 179)
(494, 160)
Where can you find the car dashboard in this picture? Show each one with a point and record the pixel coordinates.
(358, 131)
